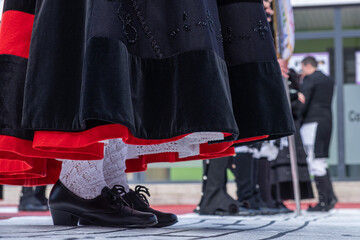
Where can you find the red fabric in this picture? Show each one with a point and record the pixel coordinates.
(42, 172)
(206, 152)
(251, 139)
(15, 33)
(25, 162)
(30, 163)
(48, 139)
(19, 149)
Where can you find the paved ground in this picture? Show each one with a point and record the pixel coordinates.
(337, 224)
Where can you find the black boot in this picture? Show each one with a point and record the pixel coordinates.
(334, 199)
(283, 209)
(137, 200)
(215, 200)
(107, 210)
(28, 202)
(39, 193)
(327, 199)
(242, 166)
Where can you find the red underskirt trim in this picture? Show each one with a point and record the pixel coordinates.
(15, 33)
(19, 149)
(42, 172)
(251, 139)
(52, 140)
(11, 166)
(28, 163)
(206, 152)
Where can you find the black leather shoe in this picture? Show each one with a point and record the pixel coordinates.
(32, 204)
(108, 209)
(138, 201)
(29, 202)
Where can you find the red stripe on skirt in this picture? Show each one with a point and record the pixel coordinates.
(15, 33)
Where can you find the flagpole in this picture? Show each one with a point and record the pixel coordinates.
(291, 139)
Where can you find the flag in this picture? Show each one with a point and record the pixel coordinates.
(284, 28)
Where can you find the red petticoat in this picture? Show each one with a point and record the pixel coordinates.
(29, 163)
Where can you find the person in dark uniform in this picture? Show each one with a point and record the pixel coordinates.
(316, 129)
(248, 174)
(216, 201)
(278, 186)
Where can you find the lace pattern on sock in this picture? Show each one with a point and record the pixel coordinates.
(186, 147)
(114, 163)
(83, 178)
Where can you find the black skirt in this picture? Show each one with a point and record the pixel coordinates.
(148, 73)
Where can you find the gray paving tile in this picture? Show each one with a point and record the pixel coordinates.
(337, 224)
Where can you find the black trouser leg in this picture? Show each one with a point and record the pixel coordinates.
(264, 181)
(243, 168)
(330, 188)
(215, 199)
(1, 192)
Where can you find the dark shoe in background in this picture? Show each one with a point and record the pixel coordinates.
(327, 198)
(258, 207)
(283, 209)
(108, 209)
(28, 201)
(39, 193)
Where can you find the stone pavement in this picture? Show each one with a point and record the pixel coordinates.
(337, 224)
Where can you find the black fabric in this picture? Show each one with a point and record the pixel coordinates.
(318, 90)
(12, 78)
(1, 192)
(215, 197)
(282, 166)
(280, 171)
(243, 167)
(265, 184)
(256, 99)
(226, 2)
(144, 100)
(124, 64)
(27, 6)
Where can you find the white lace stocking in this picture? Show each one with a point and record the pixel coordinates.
(186, 147)
(83, 178)
(114, 163)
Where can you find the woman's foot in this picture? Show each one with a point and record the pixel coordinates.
(137, 200)
(108, 209)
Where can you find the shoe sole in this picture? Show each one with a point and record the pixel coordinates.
(64, 218)
(165, 224)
